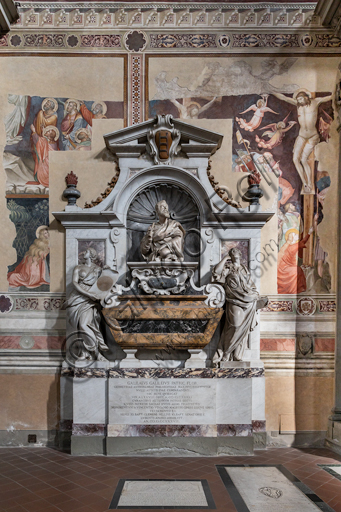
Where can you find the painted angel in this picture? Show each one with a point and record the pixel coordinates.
(260, 108)
(275, 134)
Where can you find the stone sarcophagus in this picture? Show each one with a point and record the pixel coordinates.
(162, 332)
(167, 321)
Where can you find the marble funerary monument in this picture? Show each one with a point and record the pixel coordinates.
(162, 354)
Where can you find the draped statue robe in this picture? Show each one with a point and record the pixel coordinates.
(166, 237)
(241, 307)
(80, 307)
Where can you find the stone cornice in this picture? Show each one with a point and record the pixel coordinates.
(179, 16)
(224, 6)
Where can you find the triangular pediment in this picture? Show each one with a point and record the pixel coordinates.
(145, 137)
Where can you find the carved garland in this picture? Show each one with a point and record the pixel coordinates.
(107, 191)
(222, 193)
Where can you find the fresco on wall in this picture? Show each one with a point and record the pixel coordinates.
(37, 126)
(31, 269)
(275, 130)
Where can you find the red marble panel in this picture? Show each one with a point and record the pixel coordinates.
(9, 341)
(40, 342)
(48, 342)
(279, 344)
(324, 345)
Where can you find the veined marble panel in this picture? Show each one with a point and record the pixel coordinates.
(162, 430)
(266, 489)
(234, 401)
(186, 373)
(91, 429)
(162, 493)
(258, 404)
(89, 401)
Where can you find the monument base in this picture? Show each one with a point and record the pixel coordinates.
(167, 411)
(333, 438)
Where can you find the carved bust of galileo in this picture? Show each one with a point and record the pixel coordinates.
(164, 240)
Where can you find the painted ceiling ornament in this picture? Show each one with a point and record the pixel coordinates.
(164, 140)
(135, 41)
(307, 40)
(224, 41)
(72, 41)
(15, 40)
(271, 492)
(306, 306)
(6, 304)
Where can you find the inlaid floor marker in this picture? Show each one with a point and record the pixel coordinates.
(266, 488)
(164, 494)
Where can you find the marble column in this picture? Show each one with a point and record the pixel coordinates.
(333, 439)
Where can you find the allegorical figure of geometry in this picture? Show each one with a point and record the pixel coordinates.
(242, 302)
(164, 240)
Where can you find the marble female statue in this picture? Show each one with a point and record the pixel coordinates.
(164, 240)
(242, 302)
(83, 306)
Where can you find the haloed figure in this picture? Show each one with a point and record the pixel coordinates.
(33, 271)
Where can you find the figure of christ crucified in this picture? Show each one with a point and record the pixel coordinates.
(308, 136)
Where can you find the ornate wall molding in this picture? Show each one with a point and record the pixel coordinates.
(136, 71)
(217, 41)
(109, 15)
(143, 27)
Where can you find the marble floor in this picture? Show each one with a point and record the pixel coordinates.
(45, 480)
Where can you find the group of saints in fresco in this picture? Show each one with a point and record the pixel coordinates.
(76, 130)
(33, 130)
(272, 132)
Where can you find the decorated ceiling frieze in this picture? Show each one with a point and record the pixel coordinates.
(76, 15)
(176, 27)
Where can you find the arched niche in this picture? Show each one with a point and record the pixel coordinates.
(122, 196)
(182, 208)
(187, 200)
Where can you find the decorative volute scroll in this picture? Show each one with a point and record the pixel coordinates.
(163, 140)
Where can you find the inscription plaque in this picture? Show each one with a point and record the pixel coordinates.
(162, 401)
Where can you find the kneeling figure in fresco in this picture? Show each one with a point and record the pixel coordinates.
(242, 302)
